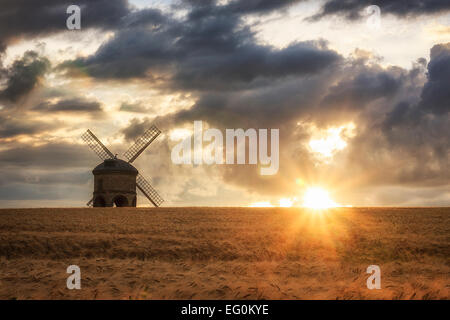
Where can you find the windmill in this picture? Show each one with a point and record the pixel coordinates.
(115, 180)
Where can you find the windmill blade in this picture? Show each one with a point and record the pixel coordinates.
(140, 144)
(148, 191)
(96, 145)
(89, 204)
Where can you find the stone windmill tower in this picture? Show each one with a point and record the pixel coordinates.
(115, 180)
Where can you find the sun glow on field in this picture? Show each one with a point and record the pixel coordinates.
(313, 198)
(318, 198)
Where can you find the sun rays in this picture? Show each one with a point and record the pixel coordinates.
(318, 198)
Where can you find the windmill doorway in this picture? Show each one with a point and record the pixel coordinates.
(99, 202)
(120, 201)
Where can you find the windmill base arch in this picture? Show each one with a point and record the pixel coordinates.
(120, 201)
(99, 201)
(114, 200)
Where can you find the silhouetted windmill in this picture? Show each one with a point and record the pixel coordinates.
(115, 180)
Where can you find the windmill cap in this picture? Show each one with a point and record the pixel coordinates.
(115, 166)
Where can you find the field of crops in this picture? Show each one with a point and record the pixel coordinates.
(225, 253)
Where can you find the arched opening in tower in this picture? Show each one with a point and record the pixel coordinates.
(99, 202)
(120, 201)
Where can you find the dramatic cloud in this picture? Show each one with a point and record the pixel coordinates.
(12, 126)
(25, 19)
(57, 155)
(137, 107)
(354, 9)
(75, 105)
(23, 76)
(50, 171)
(203, 60)
(135, 129)
(436, 93)
(363, 88)
(258, 6)
(395, 124)
(19, 116)
(252, 65)
(210, 7)
(208, 51)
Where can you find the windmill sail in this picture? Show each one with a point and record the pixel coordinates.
(148, 191)
(96, 145)
(141, 144)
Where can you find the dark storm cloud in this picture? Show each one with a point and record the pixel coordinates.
(278, 105)
(436, 93)
(137, 107)
(130, 54)
(258, 6)
(253, 65)
(145, 17)
(353, 9)
(18, 81)
(241, 7)
(412, 137)
(363, 88)
(24, 18)
(46, 177)
(135, 129)
(413, 150)
(23, 76)
(50, 155)
(74, 105)
(21, 87)
(209, 51)
(144, 41)
(434, 102)
(11, 126)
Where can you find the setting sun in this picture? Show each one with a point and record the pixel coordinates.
(318, 198)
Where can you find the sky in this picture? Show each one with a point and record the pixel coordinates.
(362, 104)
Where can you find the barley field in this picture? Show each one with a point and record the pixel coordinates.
(225, 253)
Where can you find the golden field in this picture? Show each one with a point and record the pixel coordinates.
(225, 253)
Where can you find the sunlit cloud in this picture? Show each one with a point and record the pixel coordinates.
(180, 134)
(326, 144)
